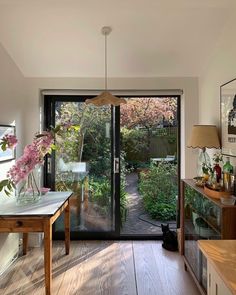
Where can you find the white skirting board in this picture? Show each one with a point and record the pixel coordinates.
(4, 269)
(9, 250)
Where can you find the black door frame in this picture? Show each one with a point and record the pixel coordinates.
(159, 237)
(49, 180)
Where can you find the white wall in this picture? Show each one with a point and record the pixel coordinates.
(220, 69)
(189, 114)
(12, 97)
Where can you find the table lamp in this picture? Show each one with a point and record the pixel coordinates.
(202, 137)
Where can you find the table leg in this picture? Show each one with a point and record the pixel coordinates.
(25, 243)
(67, 228)
(48, 255)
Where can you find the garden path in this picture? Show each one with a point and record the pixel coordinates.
(134, 224)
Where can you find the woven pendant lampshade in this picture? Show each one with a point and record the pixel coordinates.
(105, 98)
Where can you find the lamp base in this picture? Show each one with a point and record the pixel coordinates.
(203, 158)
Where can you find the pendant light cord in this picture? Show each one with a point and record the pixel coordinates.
(105, 62)
(106, 31)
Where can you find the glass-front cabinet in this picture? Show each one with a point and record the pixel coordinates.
(202, 218)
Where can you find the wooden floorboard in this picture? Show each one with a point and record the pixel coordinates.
(122, 269)
(88, 270)
(20, 281)
(101, 268)
(161, 272)
(10, 278)
(174, 279)
(145, 266)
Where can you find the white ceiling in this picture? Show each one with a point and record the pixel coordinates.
(62, 38)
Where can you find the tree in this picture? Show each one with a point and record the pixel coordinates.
(90, 121)
(146, 114)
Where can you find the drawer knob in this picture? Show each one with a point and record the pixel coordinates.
(19, 223)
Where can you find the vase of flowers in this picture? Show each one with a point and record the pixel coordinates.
(21, 175)
(28, 191)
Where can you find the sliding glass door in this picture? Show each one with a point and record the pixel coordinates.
(85, 162)
(121, 189)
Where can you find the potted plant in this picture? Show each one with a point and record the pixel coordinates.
(207, 171)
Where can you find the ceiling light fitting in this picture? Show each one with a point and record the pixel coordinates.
(105, 98)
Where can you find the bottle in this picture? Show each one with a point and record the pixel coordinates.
(227, 166)
(214, 180)
(227, 171)
(217, 169)
(234, 191)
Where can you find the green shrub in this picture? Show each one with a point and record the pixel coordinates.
(123, 204)
(134, 142)
(100, 193)
(158, 188)
(161, 211)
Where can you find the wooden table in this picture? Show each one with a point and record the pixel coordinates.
(38, 217)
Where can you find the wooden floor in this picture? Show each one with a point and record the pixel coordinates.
(102, 267)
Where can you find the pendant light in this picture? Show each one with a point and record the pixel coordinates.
(105, 98)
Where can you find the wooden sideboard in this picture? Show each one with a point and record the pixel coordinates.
(221, 266)
(202, 218)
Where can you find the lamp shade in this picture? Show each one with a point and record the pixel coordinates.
(204, 136)
(105, 98)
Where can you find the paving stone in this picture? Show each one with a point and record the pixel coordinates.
(134, 224)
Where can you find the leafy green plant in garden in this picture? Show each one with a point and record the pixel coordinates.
(88, 143)
(100, 193)
(123, 204)
(88, 140)
(162, 211)
(123, 194)
(172, 139)
(158, 188)
(134, 143)
(102, 164)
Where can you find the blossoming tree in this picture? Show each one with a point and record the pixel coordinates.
(141, 117)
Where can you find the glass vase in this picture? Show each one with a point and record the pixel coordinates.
(29, 192)
(203, 159)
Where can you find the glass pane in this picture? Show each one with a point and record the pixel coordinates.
(203, 207)
(83, 165)
(149, 180)
(197, 225)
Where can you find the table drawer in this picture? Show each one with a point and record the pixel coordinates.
(20, 225)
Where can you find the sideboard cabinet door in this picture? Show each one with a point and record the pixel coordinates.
(215, 286)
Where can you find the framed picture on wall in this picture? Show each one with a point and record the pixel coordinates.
(8, 154)
(228, 118)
